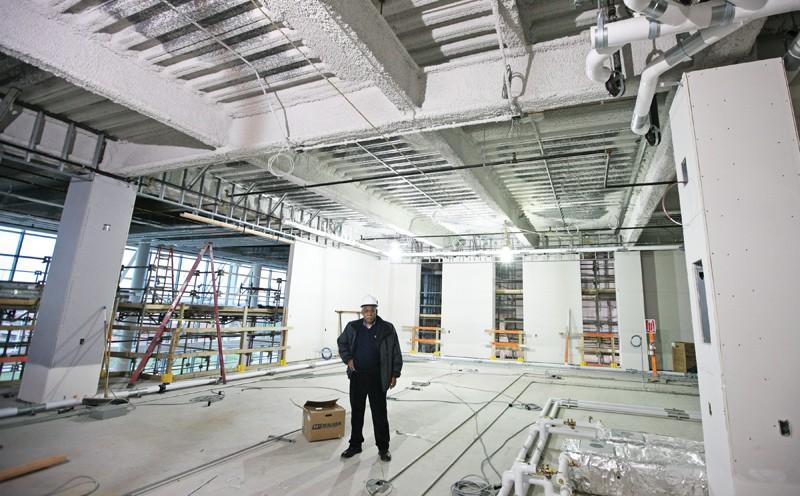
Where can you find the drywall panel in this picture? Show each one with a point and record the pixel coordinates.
(741, 218)
(467, 308)
(402, 307)
(305, 301)
(349, 276)
(630, 309)
(552, 307)
(321, 281)
(666, 299)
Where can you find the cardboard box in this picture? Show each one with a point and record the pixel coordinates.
(683, 357)
(323, 420)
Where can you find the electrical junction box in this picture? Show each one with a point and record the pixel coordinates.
(323, 420)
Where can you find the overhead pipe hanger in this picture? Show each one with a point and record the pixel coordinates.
(708, 21)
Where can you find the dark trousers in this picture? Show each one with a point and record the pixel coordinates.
(363, 385)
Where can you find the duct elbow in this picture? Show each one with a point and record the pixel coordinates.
(595, 68)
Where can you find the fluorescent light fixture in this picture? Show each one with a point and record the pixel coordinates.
(332, 237)
(239, 229)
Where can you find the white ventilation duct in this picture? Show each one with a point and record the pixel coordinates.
(711, 21)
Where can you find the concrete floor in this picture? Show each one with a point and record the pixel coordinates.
(170, 434)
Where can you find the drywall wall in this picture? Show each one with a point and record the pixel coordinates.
(467, 308)
(321, 281)
(666, 299)
(552, 305)
(349, 276)
(402, 307)
(305, 296)
(630, 309)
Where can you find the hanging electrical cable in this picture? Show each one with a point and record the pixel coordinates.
(263, 84)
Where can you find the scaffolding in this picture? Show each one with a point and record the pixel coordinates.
(508, 335)
(19, 302)
(185, 340)
(600, 346)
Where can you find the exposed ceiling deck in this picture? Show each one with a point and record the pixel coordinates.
(230, 62)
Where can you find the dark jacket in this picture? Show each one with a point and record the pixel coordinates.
(388, 347)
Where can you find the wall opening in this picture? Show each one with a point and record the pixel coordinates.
(599, 304)
(508, 334)
(702, 300)
(426, 337)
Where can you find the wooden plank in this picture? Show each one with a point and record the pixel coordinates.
(426, 328)
(600, 334)
(14, 359)
(513, 346)
(425, 341)
(508, 331)
(36, 465)
(15, 328)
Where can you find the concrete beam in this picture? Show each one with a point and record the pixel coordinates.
(43, 38)
(356, 42)
(509, 24)
(310, 170)
(553, 77)
(458, 148)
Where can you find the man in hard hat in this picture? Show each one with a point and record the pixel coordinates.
(371, 350)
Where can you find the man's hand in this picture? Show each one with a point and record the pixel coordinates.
(350, 365)
(392, 382)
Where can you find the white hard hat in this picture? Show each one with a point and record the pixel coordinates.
(369, 300)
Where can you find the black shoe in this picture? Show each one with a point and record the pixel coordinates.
(350, 451)
(385, 456)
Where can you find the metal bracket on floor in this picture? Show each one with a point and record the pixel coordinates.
(569, 403)
(280, 438)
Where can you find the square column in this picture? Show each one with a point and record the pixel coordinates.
(67, 346)
(738, 160)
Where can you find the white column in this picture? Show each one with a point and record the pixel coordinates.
(67, 346)
(403, 306)
(140, 262)
(630, 308)
(737, 153)
(233, 272)
(255, 282)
